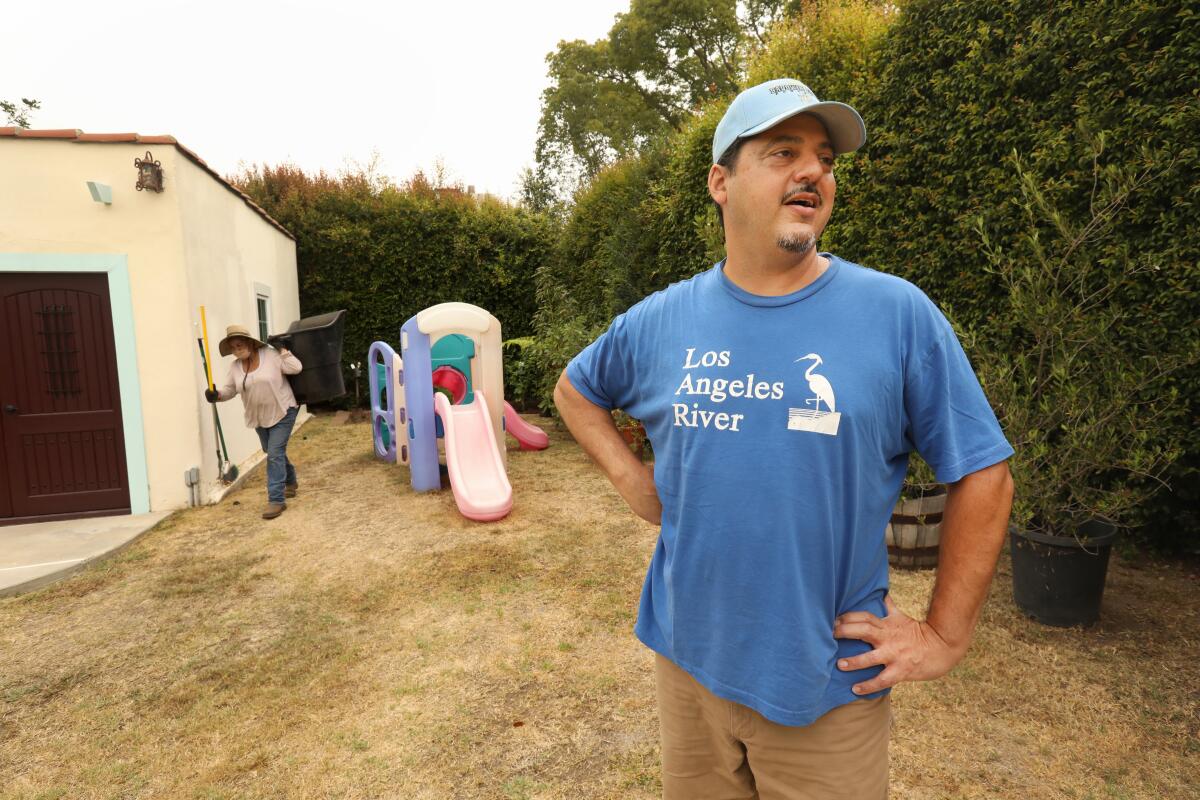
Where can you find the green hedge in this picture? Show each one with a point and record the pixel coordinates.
(384, 253)
(965, 85)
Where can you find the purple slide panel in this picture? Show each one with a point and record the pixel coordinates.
(418, 397)
(382, 415)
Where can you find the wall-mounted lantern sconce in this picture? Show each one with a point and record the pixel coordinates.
(150, 175)
(101, 192)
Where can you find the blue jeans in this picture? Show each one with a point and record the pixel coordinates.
(274, 443)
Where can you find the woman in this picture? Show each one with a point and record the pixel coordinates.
(257, 375)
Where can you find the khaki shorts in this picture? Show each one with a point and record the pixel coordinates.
(715, 749)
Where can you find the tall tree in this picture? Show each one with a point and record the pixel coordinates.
(661, 60)
(17, 114)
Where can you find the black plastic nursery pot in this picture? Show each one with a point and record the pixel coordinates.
(1059, 580)
(317, 342)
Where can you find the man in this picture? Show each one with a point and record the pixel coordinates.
(782, 391)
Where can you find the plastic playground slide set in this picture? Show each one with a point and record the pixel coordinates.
(447, 382)
(530, 437)
(477, 475)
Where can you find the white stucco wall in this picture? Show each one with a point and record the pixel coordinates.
(196, 242)
(229, 251)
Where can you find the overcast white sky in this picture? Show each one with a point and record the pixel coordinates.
(319, 84)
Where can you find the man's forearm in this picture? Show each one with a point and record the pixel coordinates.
(594, 429)
(973, 528)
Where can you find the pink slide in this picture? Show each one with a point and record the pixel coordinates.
(531, 437)
(477, 476)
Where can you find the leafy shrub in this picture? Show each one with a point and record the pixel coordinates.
(520, 374)
(584, 283)
(1073, 398)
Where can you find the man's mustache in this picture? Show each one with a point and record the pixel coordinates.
(804, 188)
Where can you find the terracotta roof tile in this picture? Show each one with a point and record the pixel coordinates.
(103, 138)
(191, 154)
(107, 137)
(57, 133)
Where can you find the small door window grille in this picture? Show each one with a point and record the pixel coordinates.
(60, 358)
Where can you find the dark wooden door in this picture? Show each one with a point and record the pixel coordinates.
(6, 510)
(63, 447)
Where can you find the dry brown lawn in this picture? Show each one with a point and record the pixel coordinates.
(373, 643)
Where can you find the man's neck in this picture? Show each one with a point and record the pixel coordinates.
(773, 277)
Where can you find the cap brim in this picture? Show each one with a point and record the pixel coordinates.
(847, 131)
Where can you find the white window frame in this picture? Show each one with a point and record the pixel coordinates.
(263, 292)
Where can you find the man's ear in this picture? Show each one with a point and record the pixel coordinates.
(717, 190)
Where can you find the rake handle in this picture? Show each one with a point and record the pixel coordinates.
(207, 349)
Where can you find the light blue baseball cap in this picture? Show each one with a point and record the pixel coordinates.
(768, 104)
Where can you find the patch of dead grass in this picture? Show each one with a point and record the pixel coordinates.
(371, 642)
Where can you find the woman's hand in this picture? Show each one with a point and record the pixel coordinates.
(211, 395)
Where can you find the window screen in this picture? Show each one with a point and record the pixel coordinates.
(263, 322)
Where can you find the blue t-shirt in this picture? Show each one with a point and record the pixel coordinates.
(781, 429)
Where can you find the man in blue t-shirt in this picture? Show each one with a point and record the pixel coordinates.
(783, 390)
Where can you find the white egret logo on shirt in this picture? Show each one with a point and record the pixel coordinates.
(820, 414)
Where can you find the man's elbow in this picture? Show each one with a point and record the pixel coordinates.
(561, 391)
(1009, 484)
(1002, 483)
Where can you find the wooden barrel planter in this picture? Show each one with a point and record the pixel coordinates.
(915, 529)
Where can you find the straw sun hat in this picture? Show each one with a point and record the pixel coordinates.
(233, 332)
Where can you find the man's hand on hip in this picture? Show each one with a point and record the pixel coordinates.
(910, 650)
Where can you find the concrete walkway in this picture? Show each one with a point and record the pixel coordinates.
(34, 555)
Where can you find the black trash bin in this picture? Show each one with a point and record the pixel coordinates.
(317, 342)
